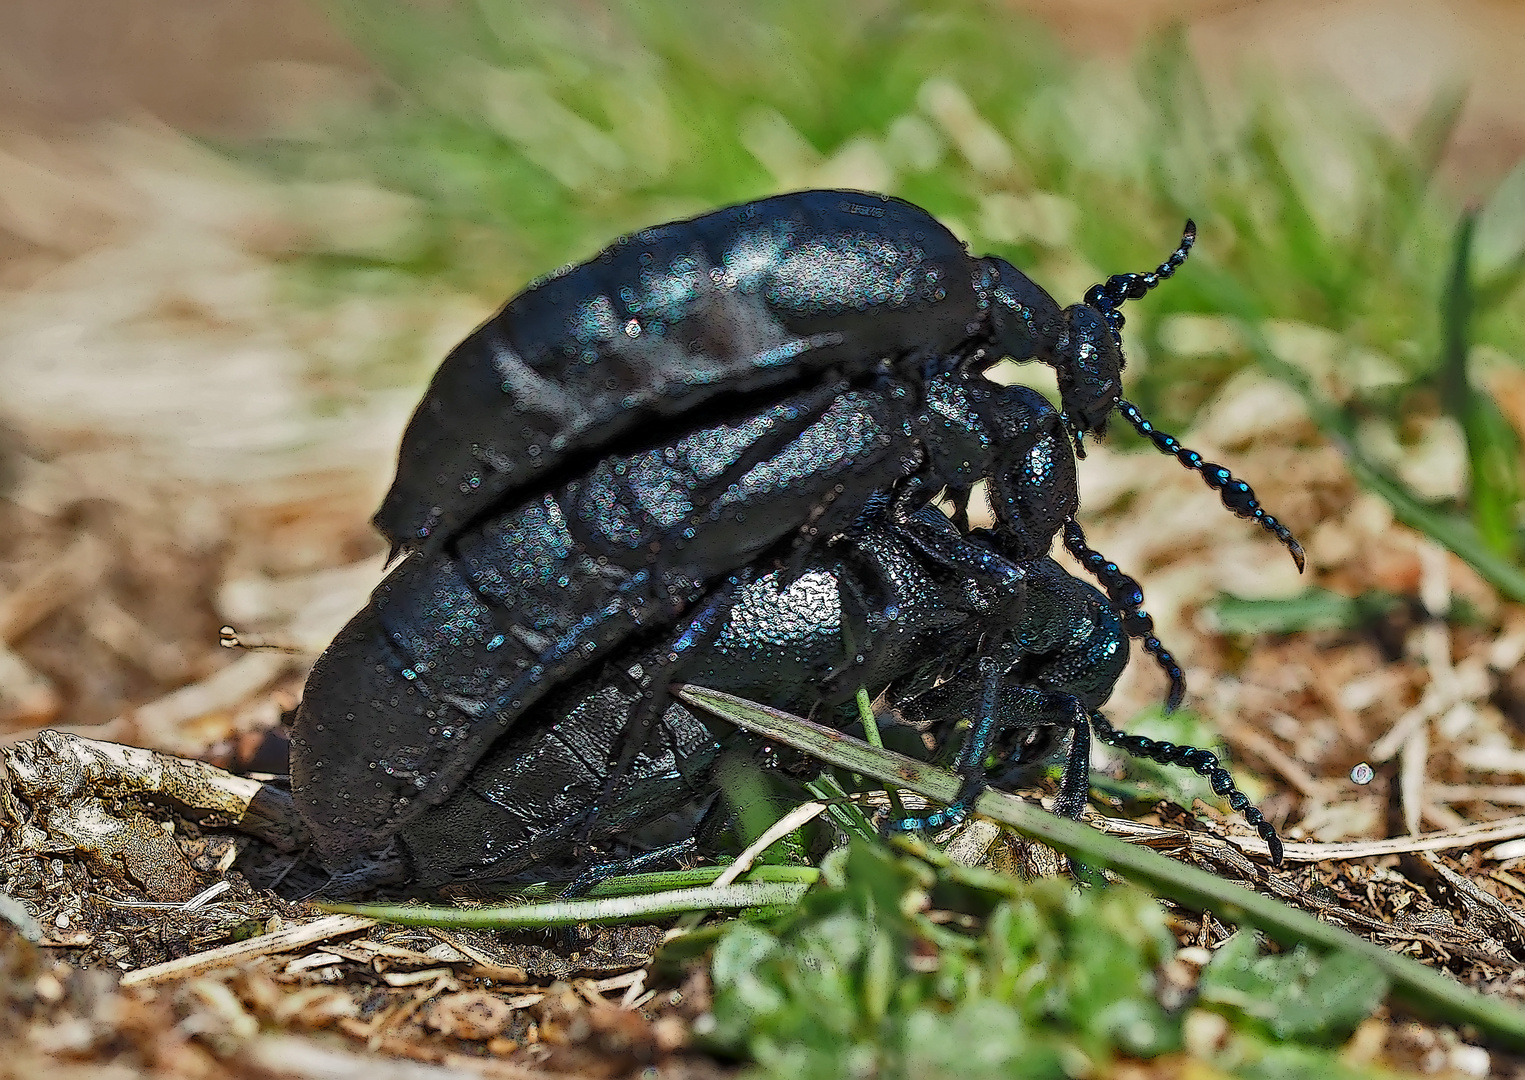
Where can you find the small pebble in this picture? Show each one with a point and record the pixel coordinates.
(1470, 1060)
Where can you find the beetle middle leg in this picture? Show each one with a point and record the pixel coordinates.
(669, 855)
(655, 698)
(1006, 706)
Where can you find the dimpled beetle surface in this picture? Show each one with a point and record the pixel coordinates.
(870, 609)
(617, 455)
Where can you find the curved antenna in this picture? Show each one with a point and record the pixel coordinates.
(1109, 295)
(1202, 762)
(1128, 600)
(1235, 493)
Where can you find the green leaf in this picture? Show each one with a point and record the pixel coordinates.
(1295, 995)
(1493, 448)
(1499, 251)
(1315, 609)
(738, 953)
(1414, 985)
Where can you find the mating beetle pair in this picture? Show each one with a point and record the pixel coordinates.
(599, 474)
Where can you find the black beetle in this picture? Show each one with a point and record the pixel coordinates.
(803, 353)
(700, 319)
(870, 610)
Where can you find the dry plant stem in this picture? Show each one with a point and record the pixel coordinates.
(71, 575)
(1412, 759)
(1468, 836)
(571, 912)
(972, 842)
(1245, 737)
(240, 952)
(794, 819)
(111, 768)
(305, 1059)
(1424, 991)
(1512, 795)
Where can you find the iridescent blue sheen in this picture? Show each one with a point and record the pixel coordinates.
(748, 298)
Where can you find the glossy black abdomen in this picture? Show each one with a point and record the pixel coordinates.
(663, 322)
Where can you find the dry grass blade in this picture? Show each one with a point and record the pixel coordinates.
(648, 907)
(240, 952)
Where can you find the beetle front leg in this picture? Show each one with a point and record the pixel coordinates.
(1006, 706)
(929, 531)
(977, 744)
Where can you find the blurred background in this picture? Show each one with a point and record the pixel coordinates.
(237, 237)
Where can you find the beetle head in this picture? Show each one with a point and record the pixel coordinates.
(1092, 370)
(1089, 364)
(1083, 343)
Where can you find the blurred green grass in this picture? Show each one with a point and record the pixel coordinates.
(511, 138)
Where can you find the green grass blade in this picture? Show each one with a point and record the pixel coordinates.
(666, 881)
(1493, 449)
(1452, 532)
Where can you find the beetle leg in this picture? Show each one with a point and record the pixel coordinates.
(713, 817)
(802, 412)
(978, 740)
(1032, 487)
(1005, 706)
(672, 854)
(807, 411)
(1128, 598)
(993, 717)
(701, 631)
(949, 548)
(1075, 780)
(1204, 763)
(364, 873)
